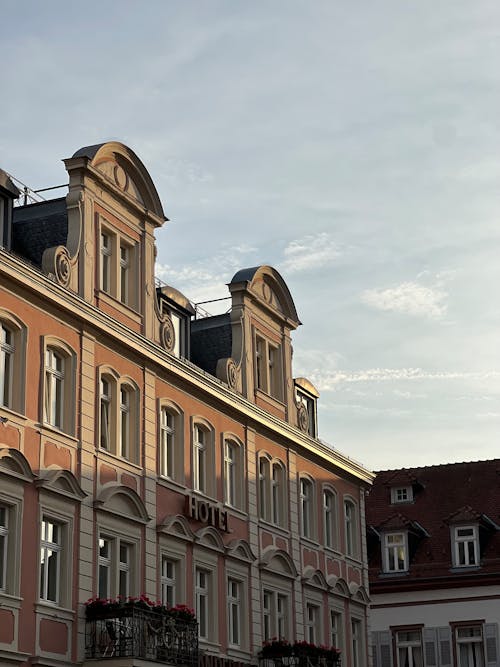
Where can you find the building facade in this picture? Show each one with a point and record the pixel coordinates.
(146, 451)
(434, 566)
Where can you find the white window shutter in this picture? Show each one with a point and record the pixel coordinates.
(385, 649)
(491, 637)
(430, 647)
(444, 637)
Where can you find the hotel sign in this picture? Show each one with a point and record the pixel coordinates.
(206, 512)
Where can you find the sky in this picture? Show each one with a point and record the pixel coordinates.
(353, 145)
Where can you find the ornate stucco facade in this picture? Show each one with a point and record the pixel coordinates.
(147, 451)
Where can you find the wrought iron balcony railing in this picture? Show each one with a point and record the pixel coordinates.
(299, 660)
(141, 633)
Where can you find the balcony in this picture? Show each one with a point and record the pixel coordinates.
(142, 633)
(282, 653)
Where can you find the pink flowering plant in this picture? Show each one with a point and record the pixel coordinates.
(98, 607)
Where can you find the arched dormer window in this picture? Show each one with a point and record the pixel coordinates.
(59, 385)
(272, 490)
(171, 442)
(12, 362)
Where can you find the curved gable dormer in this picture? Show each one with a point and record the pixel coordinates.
(263, 315)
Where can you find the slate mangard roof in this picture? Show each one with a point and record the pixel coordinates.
(39, 226)
(211, 340)
(444, 496)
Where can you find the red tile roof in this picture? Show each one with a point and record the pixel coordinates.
(444, 495)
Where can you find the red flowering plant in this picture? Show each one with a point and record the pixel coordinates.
(98, 607)
(276, 648)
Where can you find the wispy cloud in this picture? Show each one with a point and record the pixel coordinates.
(310, 252)
(410, 298)
(331, 379)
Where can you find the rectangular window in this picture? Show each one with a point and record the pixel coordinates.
(350, 528)
(234, 611)
(104, 567)
(202, 598)
(168, 578)
(466, 548)
(307, 509)
(470, 646)
(115, 567)
(4, 544)
(402, 494)
(50, 560)
(395, 552)
(54, 388)
(357, 643)
(6, 365)
(199, 460)
(274, 614)
(268, 367)
(312, 623)
(409, 649)
(335, 629)
(125, 252)
(276, 494)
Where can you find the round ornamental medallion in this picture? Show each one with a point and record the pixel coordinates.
(232, 374)
(303, 418)
(121, 178)
(62, 267)
(168, 334)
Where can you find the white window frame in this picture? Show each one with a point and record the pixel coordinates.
(234, 611)
(351, 527)
(5, 510)
(268, 366)
(203, 585)
(313, 622)
(167, 441)
(307, 507)
(105, 269)
(462, 543)
(272, 490)
(7, 359)
(408, 646)
(393, 543)
(48, 549)
(120, 436)
(275, 612)
(199, 459)
(55, 388)
(401, 494)
(473, 645)
(168, 580)
(330, 518)
(357, 642)
(118, 270)
(336, 627)
(118, 570)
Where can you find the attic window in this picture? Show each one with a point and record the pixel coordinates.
(401, 494)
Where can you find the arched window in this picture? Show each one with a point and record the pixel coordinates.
(307, 502)
(351, 529)
(171, 443)
(59, 386)
(272, 491)
(233, 473)
(203, 464)
(329, 518)
(118, 416)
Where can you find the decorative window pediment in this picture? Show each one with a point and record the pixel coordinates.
(313, 577)
(176, 526)
(15, 464)
(62, 482)
(358, 593)
(209, 537)
(341, 587)
(241, 550)
(278, 561)
(122, 501)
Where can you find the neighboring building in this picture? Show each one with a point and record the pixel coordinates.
(144, 450)
(434, 563)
